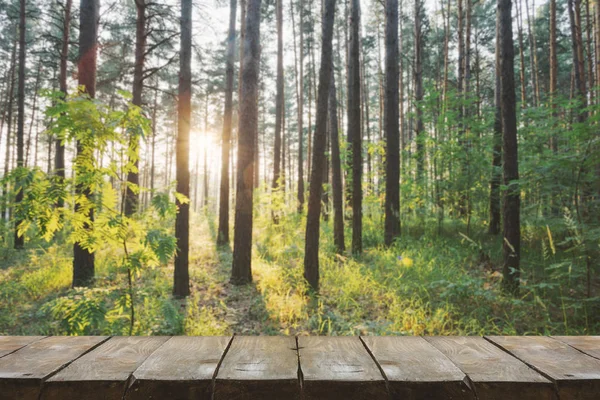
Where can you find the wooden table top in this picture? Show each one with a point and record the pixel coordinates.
(304, 367)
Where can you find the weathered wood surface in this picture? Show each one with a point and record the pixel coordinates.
(182, 368)
(339, 368)
(103, 372)
(576, 375)
(259, 367)
(417, 370)
(495, 374)
(10, 344)
(589, 345)
(22, 372)
(407, 368)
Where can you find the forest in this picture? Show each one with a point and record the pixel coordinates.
(372, 167)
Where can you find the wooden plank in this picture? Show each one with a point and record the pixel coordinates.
(415, 370)
(588, 344)
(10, 344)
(103, 372)
(495, 375)
(181, 369)
(260, 368)
(22, 372)
(339, 368)
(576, 375)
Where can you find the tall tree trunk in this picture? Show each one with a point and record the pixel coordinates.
(311, 253)
(153, 143)
(354, 124)
(401, 87)
(418, 72)
(590, 54)
(532, 55)
(336, 171)
(511, 246)
(300, 99)
(553, 68)
(36, 89)
(597, 35)
(19, 239)
(132, 199)
(279, 98)
(578, 63)
(223, 232)
(495, 223)
(392, 129)
(83, 259)
(521, 55)
(59, 153)
(181, 278)
(241, 272)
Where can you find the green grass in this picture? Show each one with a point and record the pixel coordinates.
(426, 284)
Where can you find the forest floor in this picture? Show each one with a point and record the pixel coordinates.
(426, 283)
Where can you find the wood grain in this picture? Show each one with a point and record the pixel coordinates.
(339, 368)
(181, 369)
(10, 344)
(103, 372)
(415, 370)
(22, 372)
(260, 368)
(495, 374)
(587, 344)
(576, 375)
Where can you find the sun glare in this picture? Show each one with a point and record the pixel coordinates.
(201, 142)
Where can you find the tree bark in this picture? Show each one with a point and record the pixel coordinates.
(83, 259)
(578, 62)
(418, 73)
(300, 100)
(223, 232)
(311, 254)
(392, 129)
(511, 246)
(354, 125)
(59, 153)
(336, 171)
(279, 98)
(241, 272)
(181, 278)
(132, 200)
(521, 56)
(495, 222)
(19, 239)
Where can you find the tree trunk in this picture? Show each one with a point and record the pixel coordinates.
(36, 89)
(418, 72)
(279, 98)
(132, 200)
(354, 125)
(495, 222)
(578, 63)
(241, 272)
(521, 56)
(511, 246)
(19, 239)
(553, 68)
(223, 232)
(311, 254)
(59, 153)
(300, 99)
(336, 171)
(392, 129)
(532, 56)
(181, 286)
(83, 260)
